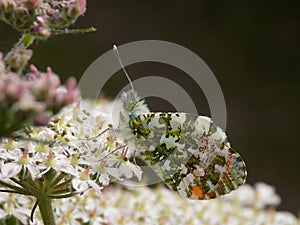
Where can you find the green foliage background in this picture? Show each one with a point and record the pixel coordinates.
(253, 49)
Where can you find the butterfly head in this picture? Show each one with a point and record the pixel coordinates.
(133, 104)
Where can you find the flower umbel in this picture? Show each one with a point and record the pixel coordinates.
(71, 163)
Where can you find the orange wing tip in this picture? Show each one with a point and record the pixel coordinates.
(198, 191)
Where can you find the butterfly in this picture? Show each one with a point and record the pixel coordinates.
(188, 152)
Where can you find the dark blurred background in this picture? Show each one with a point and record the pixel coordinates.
(252, 48)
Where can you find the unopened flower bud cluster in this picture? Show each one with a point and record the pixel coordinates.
(40, 17)
(32, 98)
(17, 58)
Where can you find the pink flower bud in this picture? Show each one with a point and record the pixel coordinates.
(71, 83)
(18, 57)
(72, 93)
(8, 6)
(81, 6)
(41, 119)
(59, 98)
(32, 4)
(27, 103)
(33, 74)
(33, 69)
(13, 87)
(40, 28)
(52, 79)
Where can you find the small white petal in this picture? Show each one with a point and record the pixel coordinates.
(104, 179)
(79, 185)
(113, 172)
(9, 170)
(135, 169)
(33, 171)
(96, 187)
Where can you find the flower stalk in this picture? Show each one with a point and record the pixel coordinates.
(26, 40)
(45, 206)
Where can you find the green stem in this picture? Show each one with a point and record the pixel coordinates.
(61, 185)
(73, 31)
(57, 179)
(17, 189)
(14, 192)
(61, 191)
(26, 39)
(46, 210)
(62, 196)
(32, 190)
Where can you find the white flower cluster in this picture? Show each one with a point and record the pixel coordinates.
(79, 146)
(143, 205)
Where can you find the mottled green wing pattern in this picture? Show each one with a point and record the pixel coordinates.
(189, 153)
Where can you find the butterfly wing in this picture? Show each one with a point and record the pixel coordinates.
(189, 153)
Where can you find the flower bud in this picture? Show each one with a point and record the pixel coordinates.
(78, 8)
(18, 14)
(72, 92)
(40, 28)
(39, 17)
(32, 4)
(52, 79)
(42, 119)
(65, 13)
(13, 87)
(18, 57)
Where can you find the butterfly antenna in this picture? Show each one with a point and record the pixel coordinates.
(117, 54)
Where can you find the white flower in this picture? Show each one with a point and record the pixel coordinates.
(20, 160)
(105, 172)
(285, 218)
(82, 182)
(244, 195)
(127, 169)
(265, 195)
(14, 206)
